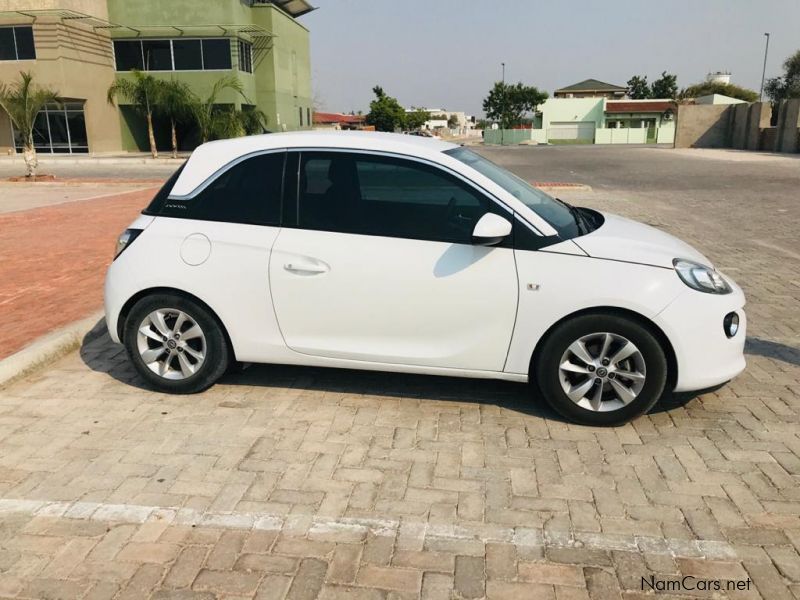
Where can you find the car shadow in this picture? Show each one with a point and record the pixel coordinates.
(100, 354)
(774, 350)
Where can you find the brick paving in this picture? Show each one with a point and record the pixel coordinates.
(53, 261)
(289, 482)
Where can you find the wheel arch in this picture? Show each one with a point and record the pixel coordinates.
(131, 302)
(658, 333)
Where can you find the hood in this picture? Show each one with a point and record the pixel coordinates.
(630, 241)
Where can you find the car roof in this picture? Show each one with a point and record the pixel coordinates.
(209, 158)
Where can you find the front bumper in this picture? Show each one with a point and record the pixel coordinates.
(705, 355)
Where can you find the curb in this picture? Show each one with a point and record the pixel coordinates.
(47, 348)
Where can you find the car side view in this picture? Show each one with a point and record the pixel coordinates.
(399, 253)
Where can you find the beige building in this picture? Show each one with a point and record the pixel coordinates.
(72, 56)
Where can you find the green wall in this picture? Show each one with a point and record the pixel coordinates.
(281, 80)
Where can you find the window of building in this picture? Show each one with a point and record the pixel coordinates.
(300, 111)
(308, 116)
(245, 56)
(58, 129)
(248, 192)
(208, 54)
(375, 195)
(16, 43)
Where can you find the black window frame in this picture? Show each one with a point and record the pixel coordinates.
(204, 54)
(292, 199)
(245, 50)
(15, 34)
(167, 206)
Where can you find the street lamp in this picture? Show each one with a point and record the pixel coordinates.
(764, 70)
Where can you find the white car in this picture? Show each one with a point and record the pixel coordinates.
(398, 253)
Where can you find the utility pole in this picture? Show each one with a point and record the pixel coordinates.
(764, 70)
(503, 110)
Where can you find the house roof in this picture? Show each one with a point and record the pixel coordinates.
(295, 8)
(640, 106)
(330, 118)
(592, 85)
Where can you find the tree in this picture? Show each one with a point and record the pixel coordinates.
(638, 89)
(23, 101)
(416, 118)
(210, 120)
(174, 103)
(142, 91)
(385, 112)
(715, 87)
(452, 122)
(665, 86)
(787, 85)
(508, 103)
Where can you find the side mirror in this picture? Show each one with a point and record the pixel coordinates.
(490, 230)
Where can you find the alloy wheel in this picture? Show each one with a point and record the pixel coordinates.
(602, 372)
(171, 343)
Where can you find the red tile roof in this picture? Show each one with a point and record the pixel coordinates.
(333, 118)
(647, 106)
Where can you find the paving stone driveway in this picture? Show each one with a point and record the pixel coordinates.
(297, 483)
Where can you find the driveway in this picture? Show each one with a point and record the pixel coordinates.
(288, 482)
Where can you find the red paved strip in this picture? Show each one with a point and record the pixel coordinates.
(53, 260)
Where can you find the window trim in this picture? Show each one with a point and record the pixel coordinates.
(13, 29)
(202, 68)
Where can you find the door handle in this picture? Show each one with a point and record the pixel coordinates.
(303, 267)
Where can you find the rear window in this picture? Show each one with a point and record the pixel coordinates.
(154, 208)
(248, 192)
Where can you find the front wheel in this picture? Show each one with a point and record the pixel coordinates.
(175, 344)
(600, 369)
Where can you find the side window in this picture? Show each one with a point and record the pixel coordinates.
(249, 192)
(374, 195)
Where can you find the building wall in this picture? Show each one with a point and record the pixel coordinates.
(560, 110)
(73, 60)
(702, 126)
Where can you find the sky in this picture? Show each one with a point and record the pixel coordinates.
(447, 53)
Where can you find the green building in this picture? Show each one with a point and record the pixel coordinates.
(79, 47)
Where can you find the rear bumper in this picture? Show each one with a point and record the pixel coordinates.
(705, 355)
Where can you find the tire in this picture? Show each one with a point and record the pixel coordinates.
(189, 362)
(630, 385)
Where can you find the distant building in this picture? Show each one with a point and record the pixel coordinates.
(591, 88)
(324, 120)
(440, 118)
(719, 77)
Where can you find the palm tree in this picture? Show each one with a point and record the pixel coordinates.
(229, 122)
(209, 120)
(174, 102)
(142, 91)
(23, 102)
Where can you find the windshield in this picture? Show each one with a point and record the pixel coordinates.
(557, 214)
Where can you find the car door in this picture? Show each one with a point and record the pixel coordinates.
(375, 263)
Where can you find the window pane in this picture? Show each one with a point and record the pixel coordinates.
(157, 55)
(77, 128)
(300, 111)
(129, 55)
(187, 55)
(58, 131)
(7, 51)
(217, 54)
(40, 138)
(25, 48)
(249, 192)
(385, 196)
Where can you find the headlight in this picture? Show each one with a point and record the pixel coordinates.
(126, 239)
(701, 278)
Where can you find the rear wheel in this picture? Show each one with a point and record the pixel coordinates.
(600, 369)
(175, 344)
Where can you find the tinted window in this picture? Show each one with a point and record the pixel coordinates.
(25, 48)
(188, 55)
(7, 48)
(157, 55)
(217, 54)
(372, 195)
(249, 192)
(245, 57)
(128, 55)
(157, 203)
